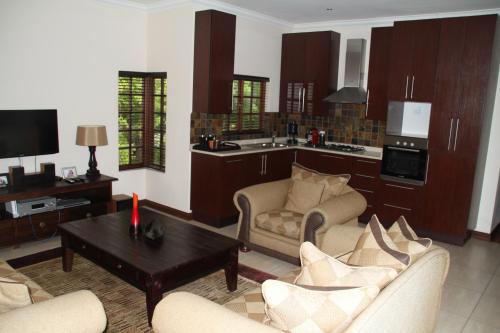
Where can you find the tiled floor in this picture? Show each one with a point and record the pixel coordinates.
(471, 297)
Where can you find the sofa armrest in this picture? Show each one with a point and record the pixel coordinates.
(337, 210)
(80, 311)
(186, 313)
(254, 200)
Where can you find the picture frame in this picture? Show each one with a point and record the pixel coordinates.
(4, 180)
(69, 172)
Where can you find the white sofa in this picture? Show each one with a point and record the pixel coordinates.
(76, 312)
(408, 304)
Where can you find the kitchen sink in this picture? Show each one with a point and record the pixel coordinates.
(266, 145)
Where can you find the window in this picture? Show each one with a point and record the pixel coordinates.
(142, 99)
(249, 102)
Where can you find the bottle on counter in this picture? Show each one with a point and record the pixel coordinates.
(314, 136)
(322, 138)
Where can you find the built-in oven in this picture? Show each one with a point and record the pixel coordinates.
(404, 159)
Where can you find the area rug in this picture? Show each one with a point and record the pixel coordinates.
(124, 304)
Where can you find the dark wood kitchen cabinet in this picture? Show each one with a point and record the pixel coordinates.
(213, 61)
(376, 96)
(214, 180)
(414, 50)
(463, 70)
(309, 68)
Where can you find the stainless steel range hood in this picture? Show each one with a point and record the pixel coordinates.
(353, 91)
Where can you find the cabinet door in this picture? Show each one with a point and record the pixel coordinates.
(380, 46)
(278, 164)
(334, 164)
(233, 177)
(308, 158)
(397, 199)
(425, 53)
(293, 56)
(401, 61)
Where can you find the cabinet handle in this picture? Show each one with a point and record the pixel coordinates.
(234, 161)
(300, 100)
(412, 83)
(406, 89)
(303, 99)
(362, 190)
(84, 247)
(427, 167)
(369, 162)
(331, 156)
(456, 135)
(261, 165)
(265, 164)
(367, 102)
(119, 266)
(449, 134)
(88, 215)
(295, 156)
(399, 207)
(365, 176)
(398, 186)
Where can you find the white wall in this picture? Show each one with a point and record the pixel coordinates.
(486, 180)
(170, 49)
(66, 54)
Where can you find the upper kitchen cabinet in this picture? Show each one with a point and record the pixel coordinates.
(414, 50)
(376, 96)
(213, 61)
(309, 68)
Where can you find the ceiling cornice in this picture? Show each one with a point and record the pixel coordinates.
(385, 21)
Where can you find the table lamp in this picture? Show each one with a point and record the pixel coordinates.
(91, 136)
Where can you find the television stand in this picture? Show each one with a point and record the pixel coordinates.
(14, 231)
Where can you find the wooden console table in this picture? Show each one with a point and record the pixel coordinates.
(14, 231)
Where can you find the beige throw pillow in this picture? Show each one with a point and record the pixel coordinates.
(319, 269)
(375, 248)
(13, 294)
(407, 240)
(334, 184)
(303, 196)
(298, 309)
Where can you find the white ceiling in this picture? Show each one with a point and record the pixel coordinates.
(307, 11)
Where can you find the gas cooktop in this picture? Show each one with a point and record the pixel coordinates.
(338, 147)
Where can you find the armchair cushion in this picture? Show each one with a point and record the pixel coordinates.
(321, 270)
(281, 222)
(407, 240)
(334, 184)
(303, 196)
(299, 309)
(13, 295)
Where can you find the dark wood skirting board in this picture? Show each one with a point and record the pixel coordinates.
(35, 258)
(166, 209)
(272, 253)
(481, 235)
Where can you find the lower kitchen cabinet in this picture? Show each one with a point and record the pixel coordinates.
(325, 162)
(214, 180)
(365, 179)
(396, 199)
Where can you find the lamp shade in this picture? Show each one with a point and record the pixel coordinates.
(91, 135)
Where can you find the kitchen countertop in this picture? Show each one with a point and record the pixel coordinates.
(248, 147)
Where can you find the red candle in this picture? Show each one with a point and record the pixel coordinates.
(135, 210)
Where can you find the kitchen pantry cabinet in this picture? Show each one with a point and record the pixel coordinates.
(213, 61)
(214, 180)
(309, 68)
(376, 95)
(414, 50)
(463, 69)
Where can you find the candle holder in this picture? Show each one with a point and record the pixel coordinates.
(135, 221)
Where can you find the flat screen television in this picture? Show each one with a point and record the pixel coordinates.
(28, 133)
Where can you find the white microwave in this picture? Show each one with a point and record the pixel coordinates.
(408, 119)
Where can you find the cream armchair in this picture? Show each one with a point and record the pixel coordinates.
(266, 227)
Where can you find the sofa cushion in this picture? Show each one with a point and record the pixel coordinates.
(37, 293)
(319, 269)
(303, 196)
(407, 240)
(375, 248)
(281, 222)
(13, 295)
(250, 305)
(334, 184)
(300, 309)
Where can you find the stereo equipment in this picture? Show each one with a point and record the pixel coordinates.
(33, 206)
(68, 203)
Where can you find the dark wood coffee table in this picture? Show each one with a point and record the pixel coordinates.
(186, 253)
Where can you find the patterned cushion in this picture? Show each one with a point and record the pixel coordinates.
(37, 293)
(250, 305)
(319, 269)
(314, 309)
(334, 184)
(13, 295)
(303, 196)
(281, 222)
(375, 248)
(407, 240)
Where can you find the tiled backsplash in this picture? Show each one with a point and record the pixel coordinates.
(346, 123)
